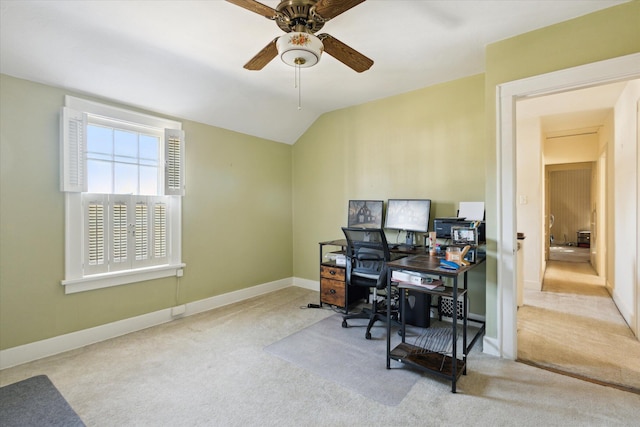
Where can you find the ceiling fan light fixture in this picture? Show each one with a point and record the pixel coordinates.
(299, 49)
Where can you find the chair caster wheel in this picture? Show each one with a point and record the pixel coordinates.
(344, 324)
(368, 335)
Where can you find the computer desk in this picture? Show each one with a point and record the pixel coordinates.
(333, 289)
(416, 356)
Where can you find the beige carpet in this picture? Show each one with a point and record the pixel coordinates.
(573, 326)
(211, 370)
(569, 253)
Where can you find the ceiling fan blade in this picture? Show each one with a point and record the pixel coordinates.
(256, 7)
(331, 8)
(345, 54)
(263, 57)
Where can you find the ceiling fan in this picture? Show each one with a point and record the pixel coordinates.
(300, 47)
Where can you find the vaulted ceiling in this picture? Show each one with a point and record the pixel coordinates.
(185, 58)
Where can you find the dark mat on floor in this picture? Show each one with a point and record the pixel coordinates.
(35, 402)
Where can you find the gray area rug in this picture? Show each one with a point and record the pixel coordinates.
(344, 356)
(35, 402)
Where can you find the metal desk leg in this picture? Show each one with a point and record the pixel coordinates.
(464, 324)
(389, 320)
(454, 321)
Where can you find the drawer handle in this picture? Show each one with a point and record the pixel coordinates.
(332, 272)
(332, 291)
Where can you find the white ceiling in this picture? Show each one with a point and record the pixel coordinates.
(571, 111)
(184, 58)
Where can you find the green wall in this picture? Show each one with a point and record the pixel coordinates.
(605, 34)
(238, 196)
(243, 191)
(427, 143)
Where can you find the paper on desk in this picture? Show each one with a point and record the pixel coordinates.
(430, 285)
(471, 211)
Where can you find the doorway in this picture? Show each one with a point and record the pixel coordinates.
(609, 71)
(570, 223)
(561, 318)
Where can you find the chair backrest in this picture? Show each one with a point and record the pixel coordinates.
(367, 255)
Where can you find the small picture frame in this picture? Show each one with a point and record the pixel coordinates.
(462, 236)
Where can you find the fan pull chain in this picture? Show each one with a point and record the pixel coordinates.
(298, 73)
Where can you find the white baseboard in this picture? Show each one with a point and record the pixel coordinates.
(235, 296)
(534, 285)
(55, 345)
(312, 285)
(491, 346)
(623, 307)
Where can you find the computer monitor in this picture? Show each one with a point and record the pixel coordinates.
(410, 215)
(365, 213)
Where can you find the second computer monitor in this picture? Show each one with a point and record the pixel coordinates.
(410, 215)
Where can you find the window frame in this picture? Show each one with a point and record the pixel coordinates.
(73, 183)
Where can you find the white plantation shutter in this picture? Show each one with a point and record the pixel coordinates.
(142, 231)
(96, 232)
(73, 143)
(174, 162)
(160, 230)
(120, 232)
(125, 232)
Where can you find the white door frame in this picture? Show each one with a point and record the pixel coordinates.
(594, 74)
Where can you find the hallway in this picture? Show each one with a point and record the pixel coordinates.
(568, 253)
(573, 326)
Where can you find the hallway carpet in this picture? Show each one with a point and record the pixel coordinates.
(569, 253)
(574, 327)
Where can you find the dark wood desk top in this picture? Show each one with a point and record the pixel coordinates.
(428, 264)
(397, 248)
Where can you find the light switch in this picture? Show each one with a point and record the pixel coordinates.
(523, 200)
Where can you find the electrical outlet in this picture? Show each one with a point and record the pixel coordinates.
(178, 310)
(179, 273)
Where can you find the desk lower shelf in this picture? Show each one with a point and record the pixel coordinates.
(430, 362)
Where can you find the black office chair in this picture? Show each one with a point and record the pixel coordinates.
(367, 255)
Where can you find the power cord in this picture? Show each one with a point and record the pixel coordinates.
(310, 305)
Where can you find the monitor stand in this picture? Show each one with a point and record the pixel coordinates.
(409, 239)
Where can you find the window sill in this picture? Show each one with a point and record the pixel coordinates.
(106, 280)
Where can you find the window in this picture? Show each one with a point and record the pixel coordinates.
(123, 177)
(122, 161)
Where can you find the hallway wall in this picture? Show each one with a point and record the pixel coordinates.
(624, 165)
(529, 219)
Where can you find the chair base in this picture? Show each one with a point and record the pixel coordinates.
(373, 316)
